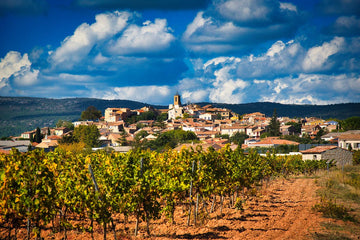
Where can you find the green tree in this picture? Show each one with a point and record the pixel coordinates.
(64, 123)
(296, 125)
(356, 157)
(274, 126)
(91, 113)
(122, 139)
(88, 135)
(351, 123)
(162, 117)
(38, 136)
(238, 138)
(68, 138)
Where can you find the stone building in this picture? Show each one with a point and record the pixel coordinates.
(340, 155)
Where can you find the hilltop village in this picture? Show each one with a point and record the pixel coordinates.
(213, 127)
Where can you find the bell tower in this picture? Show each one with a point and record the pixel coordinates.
(177, 101)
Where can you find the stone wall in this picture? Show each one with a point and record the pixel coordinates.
(341, 156)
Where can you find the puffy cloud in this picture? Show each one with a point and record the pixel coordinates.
(277, 76)
(16, 70)
(324, 89)
(149, 94)
(23, 6)
(237, 25)
(143, 4)
(149, 38)
(76, 47)
(317, 58)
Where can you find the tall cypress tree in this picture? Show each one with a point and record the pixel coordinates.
(274, 126)
(38, 136)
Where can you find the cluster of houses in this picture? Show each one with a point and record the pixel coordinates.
(208, 123)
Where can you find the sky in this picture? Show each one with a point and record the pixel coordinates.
(220, 51)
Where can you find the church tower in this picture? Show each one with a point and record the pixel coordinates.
(177, 101)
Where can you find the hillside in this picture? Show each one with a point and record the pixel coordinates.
(19, 114)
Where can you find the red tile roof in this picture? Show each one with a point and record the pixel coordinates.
(350, 136)
(319, 149)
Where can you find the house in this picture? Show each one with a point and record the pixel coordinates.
(287, 130)
(253, 118)
(340, 155)
(28, 135)
(117, 114)
(349, 140)
(231, 130)
(61, 131)
(310, 130)
(21, 145)
(48, 144)
(270, 142)
(207, 116)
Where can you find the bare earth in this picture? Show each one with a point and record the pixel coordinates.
(281, 210)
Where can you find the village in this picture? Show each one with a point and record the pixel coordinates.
(213, 127)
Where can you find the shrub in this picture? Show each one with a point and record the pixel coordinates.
(331, 209)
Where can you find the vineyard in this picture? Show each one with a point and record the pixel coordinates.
(65, 191)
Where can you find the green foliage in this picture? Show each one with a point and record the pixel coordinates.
(149, 115)
(295, 138)
(38, 136)
(238, 138)
(162, 117)
(274, 126)
(143, 184)
(297, 126)
(356, 157)
(331, 209)
(351, 123)
(88, 135)
(64, 123)
(170, 139)
(91, 113)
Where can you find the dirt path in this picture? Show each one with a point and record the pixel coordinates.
(283, 211)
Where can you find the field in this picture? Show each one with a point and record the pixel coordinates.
(321, 205)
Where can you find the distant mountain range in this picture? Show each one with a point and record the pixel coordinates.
(19, 114)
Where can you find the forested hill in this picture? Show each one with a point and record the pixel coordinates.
(339, 111)
(19, 114)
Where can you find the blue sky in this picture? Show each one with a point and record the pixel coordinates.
(226, 51)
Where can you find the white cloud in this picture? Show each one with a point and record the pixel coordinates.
(317, 57)
(288, 6)
(275, 48)
(148, 94)
(237, 25)
(151, 37)
(18, 68)
(76, 47)
(12, 63)
(245, 11)
(313, 89)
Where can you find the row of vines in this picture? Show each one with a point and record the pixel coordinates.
(39, 189)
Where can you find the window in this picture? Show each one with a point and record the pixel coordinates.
(314, 157)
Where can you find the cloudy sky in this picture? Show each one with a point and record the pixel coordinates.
(226, 51)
